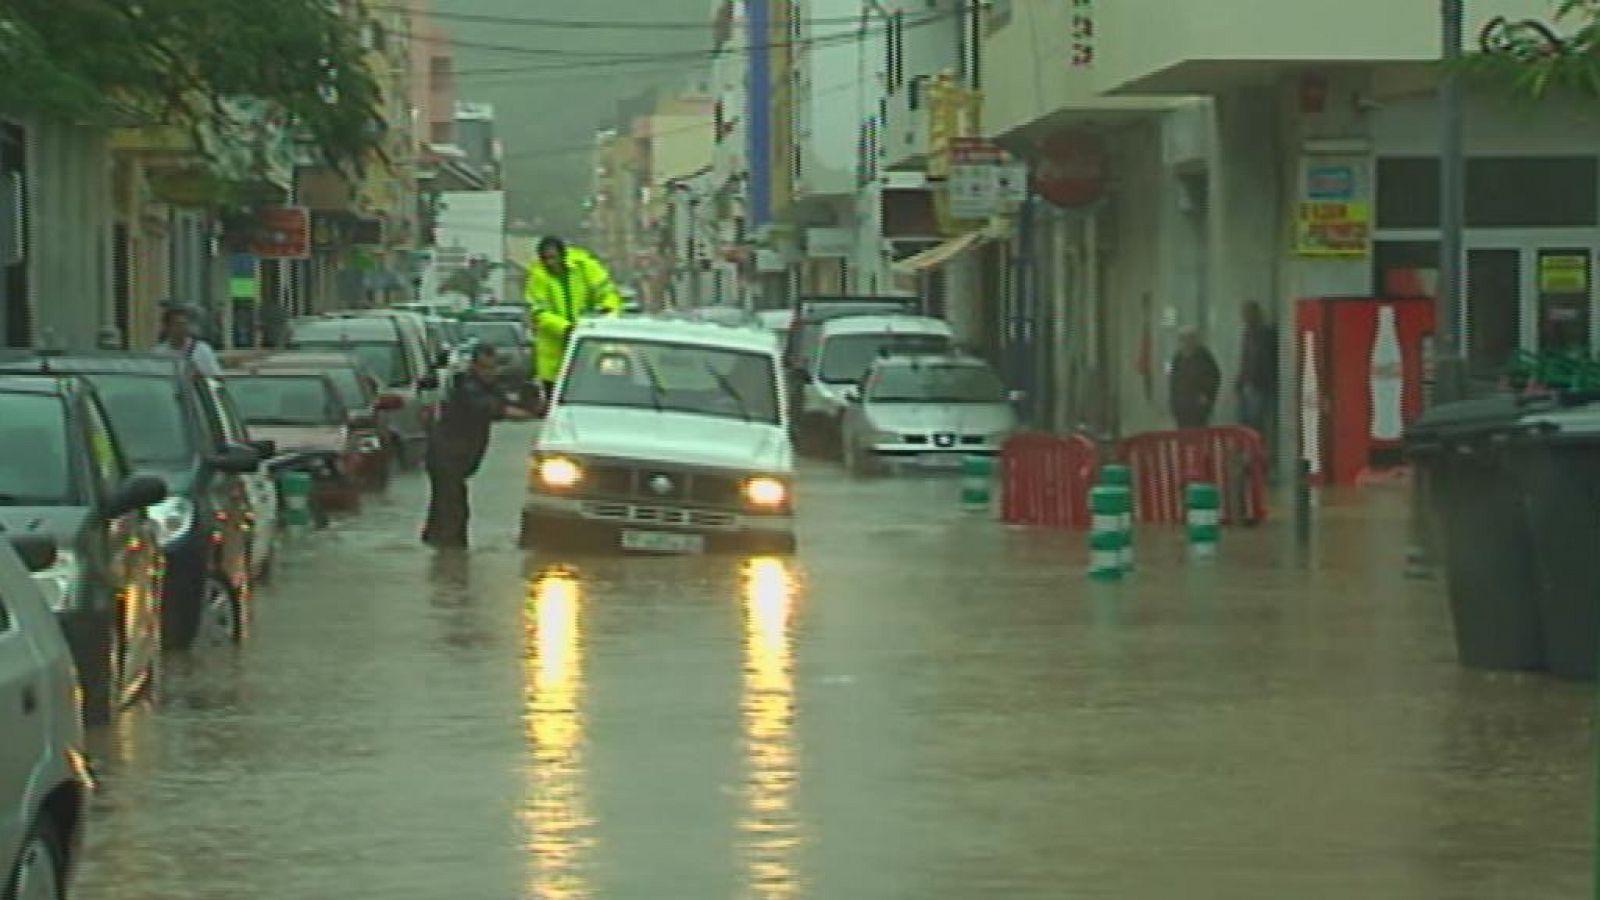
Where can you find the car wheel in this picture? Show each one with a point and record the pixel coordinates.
(220, 622)
(38, 872)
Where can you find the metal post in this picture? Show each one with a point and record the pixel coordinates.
(1302, 503)
(1450, 366)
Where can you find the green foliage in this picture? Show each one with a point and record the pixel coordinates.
(183, 63)
(1536, 59)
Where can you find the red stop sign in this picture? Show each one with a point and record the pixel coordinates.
(1073, 169)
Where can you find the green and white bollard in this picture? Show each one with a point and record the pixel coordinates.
(294, 486)
(977, 482)
(1109, 556)
(1105, 555)
(1118, 475)
(1204, 519)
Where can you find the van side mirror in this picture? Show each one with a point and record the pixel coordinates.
(37, 551)
(137, 492)
(237, 459)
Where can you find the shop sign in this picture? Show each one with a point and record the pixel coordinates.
(1334, 215)
(282, 232)
(1074, 170)
(1563, 274)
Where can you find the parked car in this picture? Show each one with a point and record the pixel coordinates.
(163, 417)
(63, 478)
(664, 437)
(813, 312)
(261, 485)
(846, 348)
(930, 411)
(399, 358)
(367, 410)
(44, 778)
(301, 412)
(512, 343)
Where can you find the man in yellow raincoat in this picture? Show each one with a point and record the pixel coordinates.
(564, 285)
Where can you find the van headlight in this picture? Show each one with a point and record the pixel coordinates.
(766, 492)
(59, 583)
(173, 518)
(559, 472)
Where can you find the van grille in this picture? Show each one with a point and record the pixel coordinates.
(659, 515)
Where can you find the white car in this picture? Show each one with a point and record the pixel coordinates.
(928, 411)
(846, 348)
(664, 436)
(44, 777)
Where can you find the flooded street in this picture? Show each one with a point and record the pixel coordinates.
(922, 704)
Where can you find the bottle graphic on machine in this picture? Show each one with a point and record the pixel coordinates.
(1388, 379)
(1310, 405)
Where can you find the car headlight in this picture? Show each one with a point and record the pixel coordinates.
(769, 493)
(559, 472)
(59, 583)
(173, 518)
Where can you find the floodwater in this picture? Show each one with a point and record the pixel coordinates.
(923, 704)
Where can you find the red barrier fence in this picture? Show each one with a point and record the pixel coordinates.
(1045, 480)
(1165, 462)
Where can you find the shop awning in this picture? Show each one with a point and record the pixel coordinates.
(937, 256)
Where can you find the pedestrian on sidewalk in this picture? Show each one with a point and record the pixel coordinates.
(1193, 381)
(1257, 384)
(457, 445)
(178, 339)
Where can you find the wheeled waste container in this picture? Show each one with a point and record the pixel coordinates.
(1558, 467)
(1468, 452)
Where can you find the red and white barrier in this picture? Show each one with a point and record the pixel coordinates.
(1045, 480)
(1165, 462)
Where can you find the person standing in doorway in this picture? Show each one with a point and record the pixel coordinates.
(564, 285)
(1193, 382)
(178, 339)
(457, 445)
(1257, 384)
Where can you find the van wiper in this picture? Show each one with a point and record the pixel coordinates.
(730, 390)
(657, 392)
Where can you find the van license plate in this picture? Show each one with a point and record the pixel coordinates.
(663, 542)
(941, 460)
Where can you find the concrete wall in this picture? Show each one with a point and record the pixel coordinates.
(1139, 38)
(71, 209)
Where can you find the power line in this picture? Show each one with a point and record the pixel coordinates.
(613, 58)
(596, 24)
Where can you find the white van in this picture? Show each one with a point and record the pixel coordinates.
(664, 436)
(845, 350)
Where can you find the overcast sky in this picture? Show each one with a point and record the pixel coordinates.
(562, 87)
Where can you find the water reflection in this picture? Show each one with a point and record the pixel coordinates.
(557, 820)
(770, 824)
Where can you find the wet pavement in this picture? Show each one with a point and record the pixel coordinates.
(923, 704)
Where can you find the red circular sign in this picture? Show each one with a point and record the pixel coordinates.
(1073, 169)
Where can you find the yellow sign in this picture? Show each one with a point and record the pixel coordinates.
(1563, 274)
(1333, 228)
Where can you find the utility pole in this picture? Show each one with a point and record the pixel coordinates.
(1449, 361)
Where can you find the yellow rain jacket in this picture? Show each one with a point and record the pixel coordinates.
(557, 303)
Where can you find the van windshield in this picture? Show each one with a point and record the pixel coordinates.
(711, 381)
(847, 357)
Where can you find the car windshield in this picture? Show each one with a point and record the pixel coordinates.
(382, 358)
(34, 461)
(501, 334)
(847, 357)
(710, 381)
(148, 416)
(935, 383)
(285, 400)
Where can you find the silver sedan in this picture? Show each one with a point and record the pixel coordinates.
(925, 411)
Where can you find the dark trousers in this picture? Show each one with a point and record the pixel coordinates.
(449, 510)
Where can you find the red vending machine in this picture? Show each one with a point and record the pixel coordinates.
(1360, 371)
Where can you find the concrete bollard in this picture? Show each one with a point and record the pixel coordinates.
(294, 486)
(1204, 519)
(977, 482)
(1118, 475)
